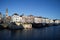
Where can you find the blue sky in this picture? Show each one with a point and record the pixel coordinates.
(45, 8)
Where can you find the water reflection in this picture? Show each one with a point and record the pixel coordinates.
(47, 33)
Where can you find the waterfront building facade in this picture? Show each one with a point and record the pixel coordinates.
(15, 18)
(43, 20)
(8, 19)
(51, 21)
(57, 21)
(47, 21)
(37, 20)
(31, 19)
(27, 19)
(0, 16)
(24, 19)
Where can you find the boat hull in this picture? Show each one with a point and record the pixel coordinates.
(37, 25)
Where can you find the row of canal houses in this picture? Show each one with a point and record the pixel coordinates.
(36, 21)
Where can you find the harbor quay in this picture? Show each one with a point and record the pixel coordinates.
(17, 21)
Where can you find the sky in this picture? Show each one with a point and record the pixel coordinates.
(45, 8)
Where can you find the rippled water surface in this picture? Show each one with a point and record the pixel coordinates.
(46, 33)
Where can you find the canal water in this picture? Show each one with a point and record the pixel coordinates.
(46, 33)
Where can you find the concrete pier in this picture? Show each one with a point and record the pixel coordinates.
(18, 23)
(27, 26)
(4, 25)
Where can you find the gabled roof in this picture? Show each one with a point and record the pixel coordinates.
(15, 14)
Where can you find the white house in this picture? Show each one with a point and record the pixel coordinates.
(16, 18)
(27, 19)
(23, 19)
(57, 21)
(51, 21)
(47, 20)
(26, 22)
(37, 20)
(30, 18)
(43, 20)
